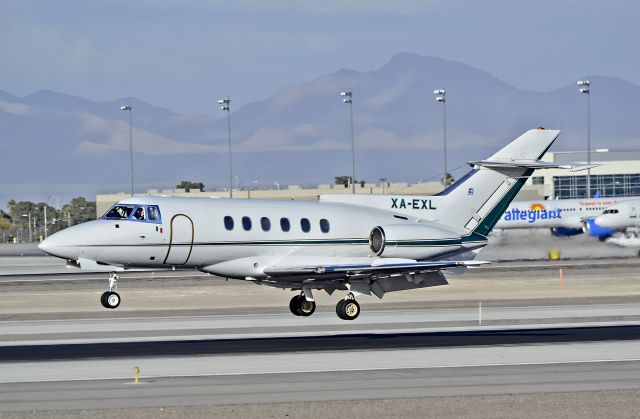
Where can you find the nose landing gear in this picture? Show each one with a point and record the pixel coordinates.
(111, 299)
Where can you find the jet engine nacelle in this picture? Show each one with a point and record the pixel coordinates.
(566, 231)
(412, 241)
(595, 230)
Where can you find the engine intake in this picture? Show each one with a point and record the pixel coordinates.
(414, 241)
(377, 240)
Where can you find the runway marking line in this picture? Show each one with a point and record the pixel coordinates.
(231, 374)
(379, 312)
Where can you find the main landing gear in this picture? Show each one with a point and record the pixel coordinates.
(111, 299)
(347, 309)
(300, 306)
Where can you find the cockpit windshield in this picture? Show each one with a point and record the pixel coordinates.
(119, 212)
(147, 213)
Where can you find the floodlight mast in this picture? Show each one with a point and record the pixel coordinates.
(347, 98)
(441, 97)
(584, 87)
(129, 108)
(226, 106)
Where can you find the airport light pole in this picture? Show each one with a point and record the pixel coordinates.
(441, 97)
(346, 98)
(226, 106)
(129, 108)
(584, 86)
(29, 215)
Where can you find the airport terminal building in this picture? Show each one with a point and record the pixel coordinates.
(618, 174)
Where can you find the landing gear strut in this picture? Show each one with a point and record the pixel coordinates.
(300, 306)
(111, 299)
(348, 309)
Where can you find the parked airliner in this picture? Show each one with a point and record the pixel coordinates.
(564, 217)
(358, 244)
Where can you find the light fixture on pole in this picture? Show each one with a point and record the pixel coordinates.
(129, 108)
(584, 86)
(441, 97)
(226, 106)
(346, 98)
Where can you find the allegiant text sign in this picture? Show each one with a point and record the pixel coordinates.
(537, 212)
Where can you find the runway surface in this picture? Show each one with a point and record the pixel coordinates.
(514, 335)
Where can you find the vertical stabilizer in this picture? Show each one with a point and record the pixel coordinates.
(476, 202)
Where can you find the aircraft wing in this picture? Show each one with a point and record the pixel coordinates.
(363, 275)
(376, 266)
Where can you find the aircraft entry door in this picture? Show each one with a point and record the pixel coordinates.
(181, 240)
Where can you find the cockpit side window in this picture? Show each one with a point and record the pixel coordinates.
(140, 214)
(119, 212)
(153, 213)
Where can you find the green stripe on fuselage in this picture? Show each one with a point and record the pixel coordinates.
(488, 222)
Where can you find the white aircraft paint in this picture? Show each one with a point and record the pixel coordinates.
(362, 244)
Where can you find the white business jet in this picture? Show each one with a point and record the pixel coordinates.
(370, 244)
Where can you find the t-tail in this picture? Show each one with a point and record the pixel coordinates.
(474, 204)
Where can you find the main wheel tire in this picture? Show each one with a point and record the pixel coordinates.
(340, 309)
(103, 299)
(348, 309)
(112, 300)
(306, 307)
(294, 305)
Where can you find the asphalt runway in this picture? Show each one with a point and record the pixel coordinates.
(329, 386)
(515, 335)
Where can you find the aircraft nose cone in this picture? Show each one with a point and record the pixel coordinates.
(53, 245)
(64, 244)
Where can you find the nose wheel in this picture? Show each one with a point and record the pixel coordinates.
(111, 299)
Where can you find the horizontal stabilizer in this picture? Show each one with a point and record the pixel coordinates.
(529, 164)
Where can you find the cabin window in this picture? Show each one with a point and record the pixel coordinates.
(246, 223)
(285, 225)
(305, 225)
(119, 212)
(324, 225)
(228, 222)
(265, 223)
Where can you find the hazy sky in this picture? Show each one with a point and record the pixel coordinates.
(184, 54)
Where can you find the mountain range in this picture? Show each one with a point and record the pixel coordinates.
(57, 144)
